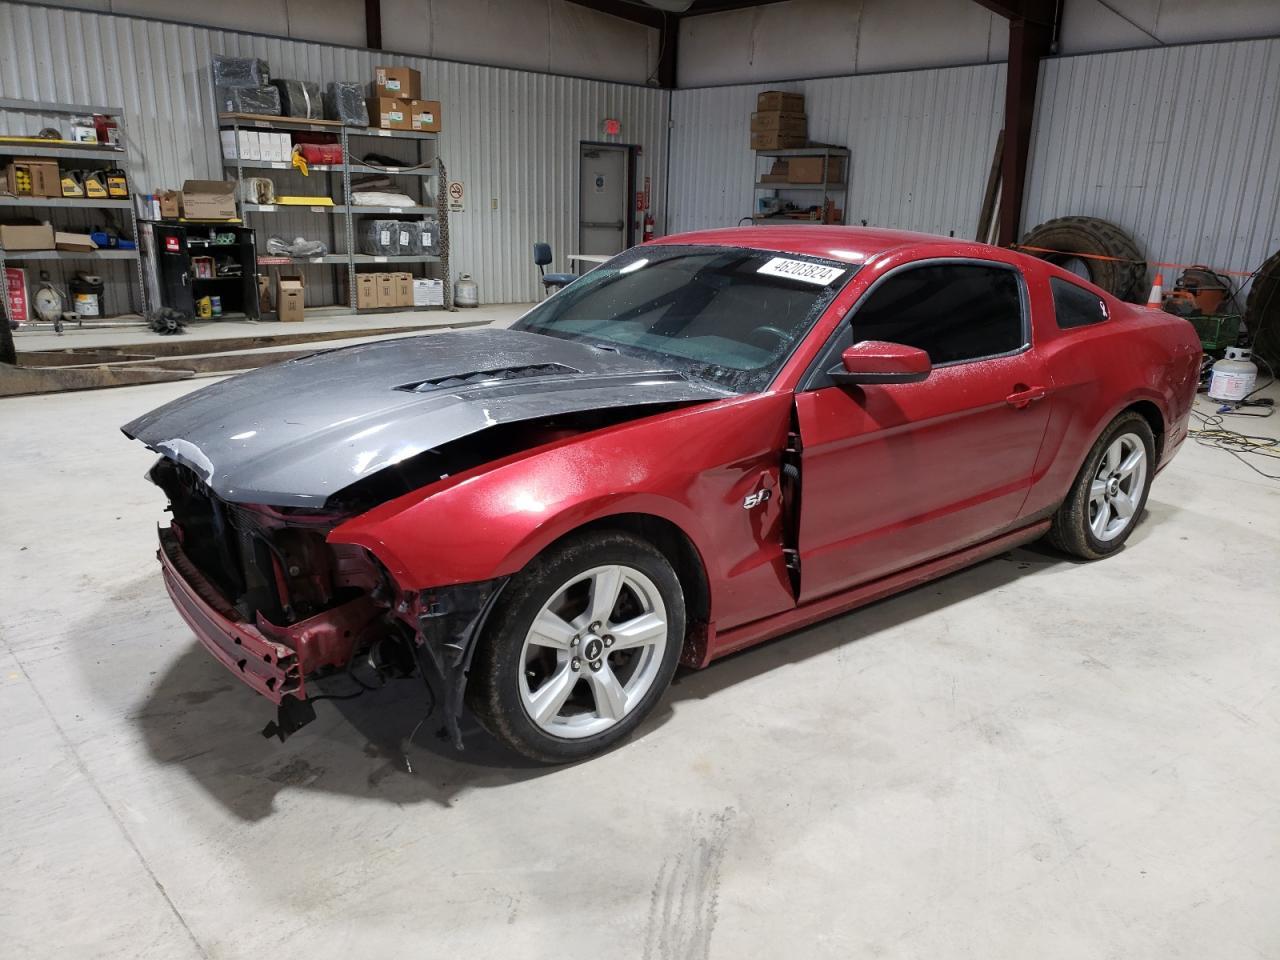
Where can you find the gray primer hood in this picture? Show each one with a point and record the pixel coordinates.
(295, 433)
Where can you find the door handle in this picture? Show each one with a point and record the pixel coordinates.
(1024, 396)
(597, 225)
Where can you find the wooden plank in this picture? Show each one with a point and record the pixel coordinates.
(19, 381)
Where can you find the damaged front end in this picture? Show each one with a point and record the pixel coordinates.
(289, 613)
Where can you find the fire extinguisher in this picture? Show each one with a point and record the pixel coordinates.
(648, 227)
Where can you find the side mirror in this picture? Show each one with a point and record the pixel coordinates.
(876, 361)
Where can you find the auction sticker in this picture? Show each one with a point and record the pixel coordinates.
(818, 274)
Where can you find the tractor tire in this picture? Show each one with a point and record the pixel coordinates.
(1262, 312)
(1123, 277)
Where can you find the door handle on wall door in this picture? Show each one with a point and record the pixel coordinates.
(1024, 396)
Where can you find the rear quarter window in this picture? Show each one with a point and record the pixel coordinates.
(1075, 306)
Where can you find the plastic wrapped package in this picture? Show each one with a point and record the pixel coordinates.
(376, 198)
(298, 247)
(381, 238)
(424, 237)
(260, 100)
(240, 72)
(257, 190)
(344, 101)
(300, 98)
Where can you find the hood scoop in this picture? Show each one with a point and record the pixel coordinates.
(455, 381)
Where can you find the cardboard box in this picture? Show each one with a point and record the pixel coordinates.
(386, 296)
(424, 115)
(781, 101)
(208, 200)
(228, 140)
(772, 140)
(291, 291)
(401, 83)
(75, 242)
(404, 289)
(33, 177)
(366, 291)
(264, 294)
(809, 170)
(170, 204)
(20, 236)
(389, 113)
(788, 124)
(428, 293)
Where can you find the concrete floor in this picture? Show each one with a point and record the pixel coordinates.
(1032, 758)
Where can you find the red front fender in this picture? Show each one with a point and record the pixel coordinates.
(691, 467)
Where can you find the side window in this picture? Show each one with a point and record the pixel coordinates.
(1075, 306)
(953, 311)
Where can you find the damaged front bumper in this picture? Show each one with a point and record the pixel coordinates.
(274, 661)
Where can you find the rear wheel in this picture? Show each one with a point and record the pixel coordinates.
(1110, 491)
(580, 648)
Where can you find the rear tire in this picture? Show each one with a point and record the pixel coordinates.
(1262, 311)
(1110, 492)
(580, 647)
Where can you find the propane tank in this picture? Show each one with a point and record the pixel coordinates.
(1233, 376)
(465, 292)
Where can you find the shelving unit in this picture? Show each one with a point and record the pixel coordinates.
(115, 156)
(340, 224)
(828, 189)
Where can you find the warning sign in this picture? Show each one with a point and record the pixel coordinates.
(457, 194)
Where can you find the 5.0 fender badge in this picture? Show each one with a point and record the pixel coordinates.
(755, 499)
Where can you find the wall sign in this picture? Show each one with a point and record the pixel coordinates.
(457, 196)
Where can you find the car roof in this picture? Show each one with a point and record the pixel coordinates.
(849, 244)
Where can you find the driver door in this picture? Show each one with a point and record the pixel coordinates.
(894, 475)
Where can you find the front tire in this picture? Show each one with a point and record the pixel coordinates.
(579, 648)
(1109, 493)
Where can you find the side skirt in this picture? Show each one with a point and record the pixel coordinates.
(757, 632)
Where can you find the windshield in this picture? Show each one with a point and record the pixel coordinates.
(724, 314)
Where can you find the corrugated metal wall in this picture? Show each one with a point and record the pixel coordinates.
(921, 146)
(509, 135)
(1180, 146)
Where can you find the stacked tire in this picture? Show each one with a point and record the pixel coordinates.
(1122, 273)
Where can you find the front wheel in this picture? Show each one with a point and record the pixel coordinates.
(580, 647)
(1110, 491)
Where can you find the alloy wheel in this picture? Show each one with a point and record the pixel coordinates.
(593, 651)
(1117, 487)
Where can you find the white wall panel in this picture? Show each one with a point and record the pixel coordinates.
(510, 136)
(1179, 146)
(921, 146)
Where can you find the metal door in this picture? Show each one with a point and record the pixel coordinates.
(603, 175)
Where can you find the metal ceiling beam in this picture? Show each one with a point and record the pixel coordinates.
(635, 12)
(1042, 12)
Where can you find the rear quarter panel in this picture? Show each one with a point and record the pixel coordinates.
(691, 467)
(1137, 354)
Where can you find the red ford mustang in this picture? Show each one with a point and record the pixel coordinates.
(709, 441)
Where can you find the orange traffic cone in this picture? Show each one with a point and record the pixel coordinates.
(1156, 297)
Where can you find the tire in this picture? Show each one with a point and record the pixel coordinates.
(1076, 527)
(1122, 277)
(606, 678)
(1262, 312)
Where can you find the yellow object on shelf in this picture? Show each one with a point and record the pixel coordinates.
(304, 201)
